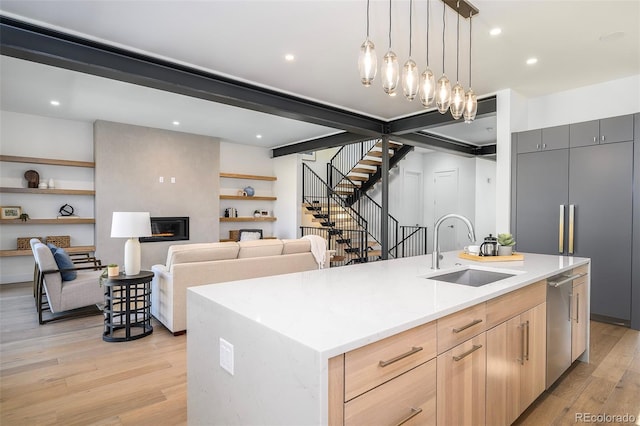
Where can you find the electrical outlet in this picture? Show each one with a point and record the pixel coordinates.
(226, 356)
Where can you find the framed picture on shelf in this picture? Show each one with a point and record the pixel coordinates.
(264, 213)
(10, 212)
(309, 156)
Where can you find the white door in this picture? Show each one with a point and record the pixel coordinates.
(412, 199)
(445, 202)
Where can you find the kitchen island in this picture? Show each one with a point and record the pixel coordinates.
(272, 350)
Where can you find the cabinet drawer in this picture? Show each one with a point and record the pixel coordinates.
(456, 328)
(374, 364)
(583, 269)
(409, 399)
(511, 304)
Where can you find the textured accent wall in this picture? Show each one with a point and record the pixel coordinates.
(129, 163)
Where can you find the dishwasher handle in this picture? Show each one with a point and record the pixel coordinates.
(565, 279)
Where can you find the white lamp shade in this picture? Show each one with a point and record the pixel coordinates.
(130, 224)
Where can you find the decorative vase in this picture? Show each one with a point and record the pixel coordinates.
(250, 191)
(505, 250)
(51, 184)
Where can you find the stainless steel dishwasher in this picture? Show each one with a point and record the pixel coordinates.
(559, 293)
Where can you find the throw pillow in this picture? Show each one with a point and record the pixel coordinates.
(52, 247)
(64, 262)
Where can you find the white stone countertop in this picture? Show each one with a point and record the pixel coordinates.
(335, 310)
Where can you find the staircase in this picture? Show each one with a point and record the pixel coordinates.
(340, 210)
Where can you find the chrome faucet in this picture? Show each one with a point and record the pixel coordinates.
(435, 256)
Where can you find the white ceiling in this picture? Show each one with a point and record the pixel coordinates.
(247, 40)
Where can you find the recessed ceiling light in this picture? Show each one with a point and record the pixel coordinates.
(176, 123)
(258, 136)
(55, 103)
(532, 61)
(289, 57)
(495, 31)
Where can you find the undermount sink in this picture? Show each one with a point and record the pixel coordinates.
(471, 277)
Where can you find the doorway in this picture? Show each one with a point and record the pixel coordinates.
(445, 202)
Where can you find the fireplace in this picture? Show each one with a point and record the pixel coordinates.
(168, 229)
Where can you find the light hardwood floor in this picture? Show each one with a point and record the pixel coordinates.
(62, 373)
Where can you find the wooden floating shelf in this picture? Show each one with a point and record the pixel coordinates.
(242, 197)
(77, 249)
(74, 221)
(247, 219)
(50, 161)
(241, 176)
(52, 191)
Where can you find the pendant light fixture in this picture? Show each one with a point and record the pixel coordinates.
(367, 61)
(410, 77)
(470, 99)
(390, 66)
(457, 93)
(427, 80)
(443, 88)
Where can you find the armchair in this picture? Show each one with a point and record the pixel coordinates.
(64, 298)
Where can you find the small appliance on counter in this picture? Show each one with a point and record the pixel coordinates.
(489, 247)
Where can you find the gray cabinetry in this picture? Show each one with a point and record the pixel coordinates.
(543, 139)
(580, 201)
(600, 194)
(608, 130)
(541, 190)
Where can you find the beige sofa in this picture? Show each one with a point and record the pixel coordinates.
(209, 263)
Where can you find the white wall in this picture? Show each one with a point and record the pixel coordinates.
(485, 186)
(610, 99)
(288, 189)
(43, 137)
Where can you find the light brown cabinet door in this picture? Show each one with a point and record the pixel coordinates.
(533, 371)
(461, 383)
(409, 399)
(579, 321)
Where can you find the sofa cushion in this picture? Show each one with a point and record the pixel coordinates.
(259, 248)
(296, 246)
(203, 252)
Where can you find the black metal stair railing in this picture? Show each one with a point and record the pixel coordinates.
(349, 155)
(367, 208)
(343, 228)
(412, 241)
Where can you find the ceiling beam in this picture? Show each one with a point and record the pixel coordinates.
(415, 123)
(38, 44)
(317, 144)
(438, 143)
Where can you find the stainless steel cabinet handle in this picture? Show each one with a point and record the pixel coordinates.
(414, 412)
(561, 230)
(602, 138)
(526, 357)
(537, 146)
(572, 215)
(464, 327)
(469, 352)
(544, 146)
(578, 308)
(401, 356)
(570, 306)
(595, 139)
(565, 279)
(521, 359)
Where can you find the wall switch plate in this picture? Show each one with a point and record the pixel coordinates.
(226, 356)
(173, 180)
(161, 179)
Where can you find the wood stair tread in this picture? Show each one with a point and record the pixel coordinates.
(378, 154)
(363, 170)
(368, 162)
(392, 145)
(358, 178)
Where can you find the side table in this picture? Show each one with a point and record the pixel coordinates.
(127, 311)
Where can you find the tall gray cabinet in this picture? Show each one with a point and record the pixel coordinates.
(573, 195)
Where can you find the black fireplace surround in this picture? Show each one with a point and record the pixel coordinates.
(168, 229)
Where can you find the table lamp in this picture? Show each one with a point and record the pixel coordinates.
(131, 225)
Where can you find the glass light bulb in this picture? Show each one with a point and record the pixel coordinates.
(367, 62)
(390, 73)
(427, 87)
(443, 94)
(470, 106)
(410, 79)
(457, 101)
